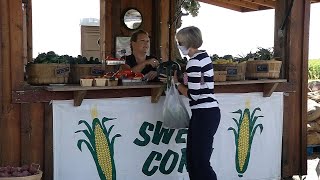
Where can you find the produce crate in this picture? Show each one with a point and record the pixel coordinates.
(220, 76)
(235, 72)
(31, 177)
(82, 70)
(52, 73)
(263, 69)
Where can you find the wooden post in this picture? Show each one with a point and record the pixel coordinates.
(293, 50)
(11, 78)
(29, 31)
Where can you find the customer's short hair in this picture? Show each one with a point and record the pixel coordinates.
(134, 35)
(190, 37)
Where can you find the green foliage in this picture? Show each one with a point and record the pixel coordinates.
(52, 57)
(192, 7)
(264, 54)
(314, 69)
(214, 57)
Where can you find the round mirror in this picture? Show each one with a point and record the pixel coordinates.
(132, 19)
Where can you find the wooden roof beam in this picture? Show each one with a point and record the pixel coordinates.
(224, 4)
(243, 3)
(267, 3)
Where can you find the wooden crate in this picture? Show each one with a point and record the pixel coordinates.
(52, 73)
(82, 70)
(235, 72)
(220, 76)
(263, 69)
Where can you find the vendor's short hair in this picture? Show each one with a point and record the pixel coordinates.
(190, 37)
(134, 35)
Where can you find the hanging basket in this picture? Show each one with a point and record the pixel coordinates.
(263, 69)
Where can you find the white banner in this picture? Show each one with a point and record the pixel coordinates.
(123, 139)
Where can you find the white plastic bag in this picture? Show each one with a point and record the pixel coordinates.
(175, 114)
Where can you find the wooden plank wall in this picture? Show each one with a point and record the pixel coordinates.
(293, 48)
(113, 26)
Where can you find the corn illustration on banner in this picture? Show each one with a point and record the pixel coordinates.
(124, 139)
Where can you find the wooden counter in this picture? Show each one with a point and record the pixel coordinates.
(29, 94)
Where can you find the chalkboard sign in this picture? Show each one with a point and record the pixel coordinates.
(97, 71)
(231, 71)
(62, 71)
(263, 68)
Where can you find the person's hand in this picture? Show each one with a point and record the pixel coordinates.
(151, 75)
(163, 78)
(153, 62)
(175, 77)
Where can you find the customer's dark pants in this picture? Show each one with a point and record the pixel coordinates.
(203, 125)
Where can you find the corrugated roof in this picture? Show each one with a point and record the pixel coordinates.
(245, 5)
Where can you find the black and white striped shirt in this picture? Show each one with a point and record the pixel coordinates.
(200, 81)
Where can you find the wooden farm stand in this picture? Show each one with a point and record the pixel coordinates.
(25, 114)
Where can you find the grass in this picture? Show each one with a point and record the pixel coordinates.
(314, 69)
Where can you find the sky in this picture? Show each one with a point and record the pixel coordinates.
(224, 31)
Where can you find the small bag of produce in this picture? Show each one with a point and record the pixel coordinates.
(175, 114)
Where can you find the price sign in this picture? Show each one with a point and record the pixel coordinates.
(263, 68)
(62, 71)
(97, 71)
(231, 71)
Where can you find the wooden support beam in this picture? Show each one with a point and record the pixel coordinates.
(78, 97)
(243, 4)
(48, 143)
(268, 89)
(224, 5)
(267, 3)
(156, 94)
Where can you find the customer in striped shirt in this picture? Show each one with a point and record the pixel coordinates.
(204, 106)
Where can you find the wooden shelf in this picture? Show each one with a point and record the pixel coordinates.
(262, 81)
(81, 88)
(269, 85)
(79, 92)
(157, 89)
(34, 94)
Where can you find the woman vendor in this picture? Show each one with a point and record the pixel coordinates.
(139, 61)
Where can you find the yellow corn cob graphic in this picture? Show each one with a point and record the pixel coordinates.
(243, 141)
(100, 145)
(103, 152)
(244, 134)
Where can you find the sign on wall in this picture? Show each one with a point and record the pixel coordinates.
(123, 139)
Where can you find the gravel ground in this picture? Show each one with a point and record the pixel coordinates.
(313, 169)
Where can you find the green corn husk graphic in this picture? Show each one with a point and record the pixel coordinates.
(101, 146)
(244, 134)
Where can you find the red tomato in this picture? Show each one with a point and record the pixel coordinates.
(140, 75)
